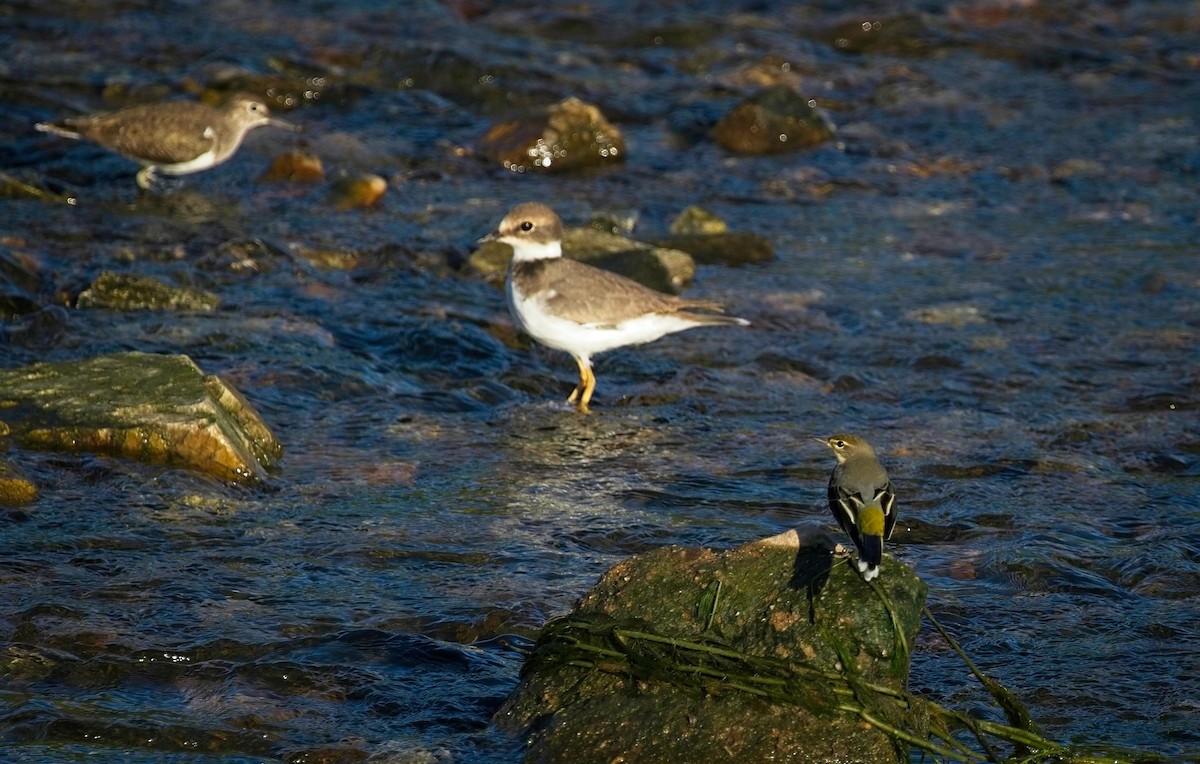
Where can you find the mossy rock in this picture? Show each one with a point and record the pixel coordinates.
(754, 654)
(122, 291)
(15, 488)
(155, 408)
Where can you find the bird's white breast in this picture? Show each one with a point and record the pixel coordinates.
(584, 340)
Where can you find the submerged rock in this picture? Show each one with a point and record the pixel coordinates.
(567, 136)
(775, 120)
(667, 270)
(357, 191)
(708, 240)
(156, 408)
(773, 651)
(732, 248)
(122, 291)
(15, 489)
(294, 167)
(697, 220)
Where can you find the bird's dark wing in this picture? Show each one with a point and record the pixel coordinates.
(844, 506)
(887, 498)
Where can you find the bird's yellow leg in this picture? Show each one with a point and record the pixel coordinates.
(145, 177)
(583, 375)
(589, 387)
(582, 394)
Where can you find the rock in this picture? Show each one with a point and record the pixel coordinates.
(722, 248)
(667, 270)
(567, 136)
(902, 34)
(775, 120)
(357, 191)
(21, 282)
(121, 291)
(156, 408)
(768, 652)
(15, 489)
(294, 167)
(697, 220)
(708, 240)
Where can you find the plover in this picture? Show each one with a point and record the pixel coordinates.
(583, 310)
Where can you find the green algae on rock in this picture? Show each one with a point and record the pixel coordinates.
(15, 488)
(754, 654)
(775, 120)
(122, 291)
(156, 408)
(569, 135)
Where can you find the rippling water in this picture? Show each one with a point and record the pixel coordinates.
(994, 275)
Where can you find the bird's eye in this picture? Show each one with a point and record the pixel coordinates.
(526, 226)
(840, 444)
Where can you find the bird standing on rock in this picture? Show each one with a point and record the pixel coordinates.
(174, 138)
(862, 499)
(580, 309)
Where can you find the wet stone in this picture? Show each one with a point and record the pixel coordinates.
(120, 291)
(664, 269)
(294, 167)
(357, 191)
(569, 135)
(15, 488)
(653, 661)
(154, 408)
(697, 221)
(20, 283)
(775, 120)
(902, 34)
(732, 248)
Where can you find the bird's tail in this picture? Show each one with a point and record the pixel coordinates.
(871, 523)
(710, 319)
(871, 551)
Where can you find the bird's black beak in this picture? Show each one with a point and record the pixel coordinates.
(493, 236)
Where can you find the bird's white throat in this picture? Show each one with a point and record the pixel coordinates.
(525, 250)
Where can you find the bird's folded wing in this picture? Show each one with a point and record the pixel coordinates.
(590, 295)
(152, 137)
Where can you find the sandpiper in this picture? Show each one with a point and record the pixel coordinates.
(580, 309)
(174, 138)
(862, 499)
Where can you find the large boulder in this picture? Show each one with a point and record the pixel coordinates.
(157, 408)
(773, 651)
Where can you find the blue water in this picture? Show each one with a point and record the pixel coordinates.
(993, 276)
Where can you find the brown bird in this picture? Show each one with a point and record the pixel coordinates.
(175, 138)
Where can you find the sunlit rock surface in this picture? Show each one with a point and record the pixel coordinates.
(569, 135)
(15, 488)
(122, 291)
(775, 600)
(156, 408)
(775, 120)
